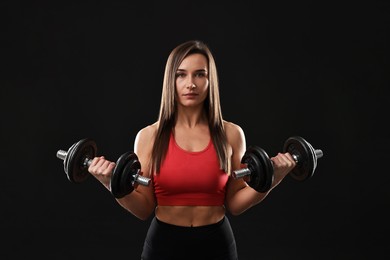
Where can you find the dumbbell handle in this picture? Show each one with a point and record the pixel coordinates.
(61, 154)
(317, 152)
(246, 171)
(241, 173)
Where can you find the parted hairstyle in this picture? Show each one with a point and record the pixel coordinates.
(168, 107)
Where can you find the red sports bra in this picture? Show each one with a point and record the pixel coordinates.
(190, 178)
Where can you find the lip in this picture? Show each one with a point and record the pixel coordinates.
(190, 95)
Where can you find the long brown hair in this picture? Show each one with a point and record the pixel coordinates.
(212, 105)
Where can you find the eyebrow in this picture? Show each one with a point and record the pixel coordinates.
(200, 70)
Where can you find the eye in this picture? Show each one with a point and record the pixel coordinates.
(180, 75)
(200, 74)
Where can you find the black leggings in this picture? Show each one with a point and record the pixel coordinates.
(166, 241)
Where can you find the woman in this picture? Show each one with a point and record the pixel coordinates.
(189, 154)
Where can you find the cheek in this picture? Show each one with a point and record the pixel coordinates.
(202, 83)
(205, 93)
(205, 88)
(179, 85)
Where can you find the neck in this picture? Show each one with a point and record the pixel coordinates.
(191, 117)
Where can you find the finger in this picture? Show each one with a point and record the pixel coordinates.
(92, 167)
(94, 161)
(103, 168)
(288, 161)
(275, 161)
(278, 159)
(290, 157)
(97, 162)
(109, 167)
(282, 160)
(100, 162)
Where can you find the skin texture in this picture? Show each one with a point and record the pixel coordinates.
(192, 133)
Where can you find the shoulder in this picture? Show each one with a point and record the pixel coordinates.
(235, 137)
(233, 131)
(145, 136)
(147, 132)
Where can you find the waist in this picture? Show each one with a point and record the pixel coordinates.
(190, 216)
(190, 199)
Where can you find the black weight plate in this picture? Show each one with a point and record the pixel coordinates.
(257, 177)
(115, 184)
(306, 157)
(75, 169)
(127, 177)
(267, 166)
(68, 155)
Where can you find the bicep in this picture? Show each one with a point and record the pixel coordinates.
(236, 138)
(142, 148)
(237, 142)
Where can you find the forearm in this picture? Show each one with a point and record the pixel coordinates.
(245, 199)
(137, 204)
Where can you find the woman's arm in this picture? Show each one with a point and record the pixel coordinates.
(240, 196)
(141, 201)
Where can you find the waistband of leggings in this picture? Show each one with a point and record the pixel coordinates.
(172, 226)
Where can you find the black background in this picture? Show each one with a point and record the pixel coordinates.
(94, 69)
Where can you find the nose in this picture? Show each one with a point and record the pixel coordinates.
(191, 84)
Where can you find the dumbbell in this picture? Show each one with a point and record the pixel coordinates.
(260, 166)
(125, 174)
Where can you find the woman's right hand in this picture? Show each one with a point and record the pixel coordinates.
(102, 170)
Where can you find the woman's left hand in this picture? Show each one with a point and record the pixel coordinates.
(283, 163)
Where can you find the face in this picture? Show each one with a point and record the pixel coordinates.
(192, 81)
